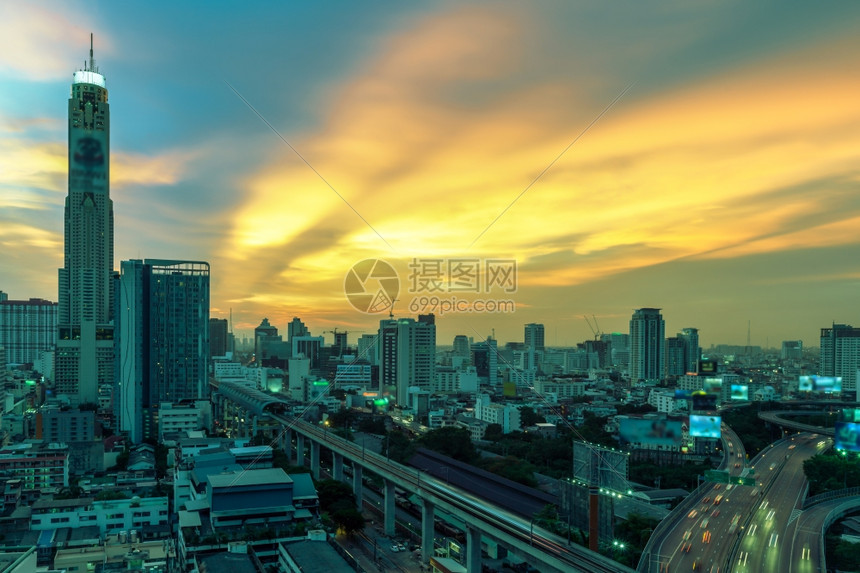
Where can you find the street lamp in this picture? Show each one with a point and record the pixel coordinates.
(325, 432)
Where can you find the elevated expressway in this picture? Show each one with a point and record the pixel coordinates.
(545, 551)
(664, 550)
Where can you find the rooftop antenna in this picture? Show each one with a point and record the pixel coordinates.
(391, 309)
(92, 67)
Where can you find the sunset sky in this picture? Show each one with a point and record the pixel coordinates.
(722, 187)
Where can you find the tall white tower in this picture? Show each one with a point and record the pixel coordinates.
(84, 358)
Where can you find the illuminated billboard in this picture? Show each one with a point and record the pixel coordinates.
(851, 415)
(682, 394)
(826, 384)
(847, 436)
(740, 392)
(704, 401)
(705, 426)
(713, 385)
(707, 366)
(659, 432)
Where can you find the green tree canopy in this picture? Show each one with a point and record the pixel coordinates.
(528, 417)
(451, 441)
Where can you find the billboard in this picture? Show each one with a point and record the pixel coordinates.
(847, 436)
(707, 366)
(88, 161)
(826, 384)
(705, 426)
(851, 415)
(740, 392)
(644, 431)
(682, 394)
(704, 401)
(713, 385)
(606, 466)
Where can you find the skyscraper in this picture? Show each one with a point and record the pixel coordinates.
(27, 328)
(692, 351)
(85, 309)
(647, 332)
(675, 361)
(296, 328)
(218, 337)
(162, 342)
(840, 355)
(485, 357)
(533, 336)
(407, 355)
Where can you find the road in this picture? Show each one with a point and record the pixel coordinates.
(766, 541)
(666, 548)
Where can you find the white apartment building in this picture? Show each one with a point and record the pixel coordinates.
(109, 516)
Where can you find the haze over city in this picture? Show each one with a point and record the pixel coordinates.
(721, 186)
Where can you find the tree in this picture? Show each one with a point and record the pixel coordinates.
(494, 433)
(343, 418)
(528, 417)
(511, 468)
(122, 459)
(348, 519)
(450, 441)
(398, 447)
(331, 492)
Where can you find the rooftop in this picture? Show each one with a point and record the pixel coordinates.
(316, 557)
(266, 476)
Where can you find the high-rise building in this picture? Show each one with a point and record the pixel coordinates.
(262, 334)
(368, 348)
(792, 350)
(85, 356)
(462, 353)
(296, 328)
(162, 340)
(840, 355)
(407, 355)
(619, 351)
(647, 340)
(485, 359)
(675, 362)
(27, 328)
(692, 351)
(534, 336)
(218, 337)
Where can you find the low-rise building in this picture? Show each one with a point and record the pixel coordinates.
(110, 516)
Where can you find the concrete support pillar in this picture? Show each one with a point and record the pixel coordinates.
(473, 549)
(300, 449)
(357, 484)
(428, 530)
(287, 444)
(337, 466)
(389, 509)
(315, 459)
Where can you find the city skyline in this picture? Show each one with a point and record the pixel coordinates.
(720, 188)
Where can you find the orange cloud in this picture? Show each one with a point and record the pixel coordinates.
(422, 147)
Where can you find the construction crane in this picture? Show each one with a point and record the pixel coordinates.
(595, 329)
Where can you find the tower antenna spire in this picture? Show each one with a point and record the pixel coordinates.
(92, 59)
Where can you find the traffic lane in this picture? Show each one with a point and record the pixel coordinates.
(762, 548)
(806, 550)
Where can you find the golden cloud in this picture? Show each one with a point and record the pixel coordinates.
(711, 169)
